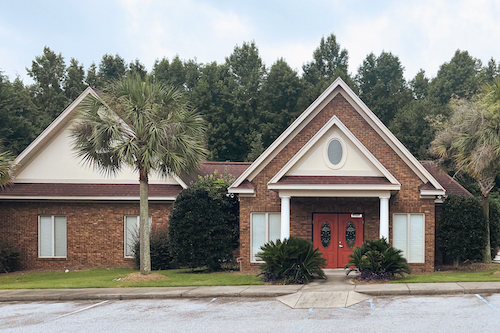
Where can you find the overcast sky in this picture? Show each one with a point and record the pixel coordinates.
(424, 34)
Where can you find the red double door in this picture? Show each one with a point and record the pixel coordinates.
(336, 235)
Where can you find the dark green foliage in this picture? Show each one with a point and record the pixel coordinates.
(159, 250)
(256, 148)
(74, 83)
(137, 68)
(202, 228)
(461, 233)
(413, 125)
(278, 106)
(19, 118)
(9, 257)
(92, 80)
(111, 68)
(494, 228)
(457, 77)
(49, 73)
(377, 259)
(382, 85)
(295, 260)
(329, 62)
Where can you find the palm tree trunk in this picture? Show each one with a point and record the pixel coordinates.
(486, 206)
(144, 224)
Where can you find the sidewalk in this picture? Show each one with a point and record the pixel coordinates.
(336, 291)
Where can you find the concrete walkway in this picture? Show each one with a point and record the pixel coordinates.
(336, 291)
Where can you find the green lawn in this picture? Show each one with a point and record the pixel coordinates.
(103, 278)
(451, 277)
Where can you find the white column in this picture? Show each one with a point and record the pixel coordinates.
(384, 217)
(285, 217)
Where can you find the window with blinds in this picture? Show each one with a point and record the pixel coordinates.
(265, 227)
(51, 236)
(409, 236)
(132, 233)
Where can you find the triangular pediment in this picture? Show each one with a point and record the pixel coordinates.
(315, 158)
(50, 158)
(363, 162)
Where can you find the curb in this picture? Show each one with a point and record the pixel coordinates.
(37, 295)
(429, 289)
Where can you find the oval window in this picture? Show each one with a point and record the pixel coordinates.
(335, 152)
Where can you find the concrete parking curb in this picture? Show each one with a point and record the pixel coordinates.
(429, 289)
(388, 289)
(35, 295)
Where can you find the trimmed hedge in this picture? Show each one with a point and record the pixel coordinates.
(9, 257)
(203, 228)
(462, 230)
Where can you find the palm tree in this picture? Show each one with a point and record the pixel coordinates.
(471, 143)
(146, 125)
(6, 168)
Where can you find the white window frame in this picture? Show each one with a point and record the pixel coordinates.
(137, 231)
(266, 214)
(53, 234)
(344, 153)
(408, 236)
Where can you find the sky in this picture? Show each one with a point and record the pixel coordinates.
(423, 34)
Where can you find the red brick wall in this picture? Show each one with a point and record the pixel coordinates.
(95, 231)
(407, 200)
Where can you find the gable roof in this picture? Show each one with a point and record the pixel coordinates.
(334, 121)
(337, 87)
(48, 133)
(451, 185)
(51, 133)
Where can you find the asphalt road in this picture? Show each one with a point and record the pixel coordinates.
(464, 313)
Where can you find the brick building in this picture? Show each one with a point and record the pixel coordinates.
(336, 176)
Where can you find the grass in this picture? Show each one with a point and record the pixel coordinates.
(479, 276)
(103, 278)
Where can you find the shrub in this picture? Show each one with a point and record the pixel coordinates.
(461, 233)
(9, 257)
(203, 228)
(295, 260)
(159, 250)
(494, 228)
(377, 260)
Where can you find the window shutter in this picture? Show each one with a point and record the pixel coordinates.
(400, 233)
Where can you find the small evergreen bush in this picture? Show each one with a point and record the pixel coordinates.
(461, 231)
(377, 260)
(9, 257)
(159, 250)
(494, 228)
(295, 260)
(203, 228)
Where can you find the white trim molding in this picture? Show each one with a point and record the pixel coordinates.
(338, 86)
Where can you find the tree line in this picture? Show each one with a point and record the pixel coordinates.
(246, 104)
